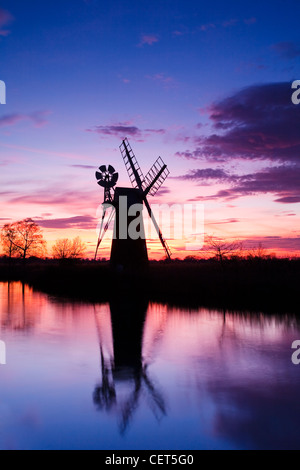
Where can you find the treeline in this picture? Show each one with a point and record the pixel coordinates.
(258, 284)
(24, 238)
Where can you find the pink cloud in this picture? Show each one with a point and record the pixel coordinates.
(148, 39)
(51, 196)
(251, 20)
(160, 77)
(37, 117)
(78, 222)
(228, 23)
(165, 80)
(206, 27)
(71, 156)
(5, 18)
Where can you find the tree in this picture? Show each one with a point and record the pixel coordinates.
(8, 237)
(221, 248)
(258, 252)
(23, 238)
(64, 248)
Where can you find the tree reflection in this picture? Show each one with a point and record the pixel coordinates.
(17, 312)
(125, 379)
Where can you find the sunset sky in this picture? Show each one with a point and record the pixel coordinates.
(204, 85)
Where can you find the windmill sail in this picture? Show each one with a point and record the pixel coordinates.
(154, 179)
(133, 169)
(156, 176)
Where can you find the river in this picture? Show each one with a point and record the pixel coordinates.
(136, 375)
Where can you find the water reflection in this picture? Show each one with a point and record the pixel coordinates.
(133, 375)
(15, 312)
(124, 367)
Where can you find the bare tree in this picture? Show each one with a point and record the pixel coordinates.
(64, 248)
(258, 252)
(8, 238)
(222, 248)
(23, 238)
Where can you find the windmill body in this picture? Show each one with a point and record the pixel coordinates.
(127, 251)
(129, 242)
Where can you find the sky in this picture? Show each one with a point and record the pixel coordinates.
(205, 85)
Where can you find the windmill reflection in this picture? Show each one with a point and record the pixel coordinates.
(125, 379)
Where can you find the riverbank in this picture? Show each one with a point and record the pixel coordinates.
(256, 284)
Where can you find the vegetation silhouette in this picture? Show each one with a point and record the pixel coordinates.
(258, 284)
(22, 238)
(64, 248)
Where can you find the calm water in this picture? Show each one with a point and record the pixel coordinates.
(138, 376)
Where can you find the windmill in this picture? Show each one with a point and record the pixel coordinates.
(128, 250)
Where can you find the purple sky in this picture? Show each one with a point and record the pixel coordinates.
(206, 86)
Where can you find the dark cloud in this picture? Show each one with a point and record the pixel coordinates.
(287, 49)
(273, 243)
(116, 129)
(283, 181)
(259, 122)
(84, 167)
(121, 130)
(256, 123)
(206, 173)
(77, 222)
(156, 131)
(288, 199)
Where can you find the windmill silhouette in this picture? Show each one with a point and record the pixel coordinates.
(130, 250)
(125, 382)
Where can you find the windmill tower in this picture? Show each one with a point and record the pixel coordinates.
(129, 249)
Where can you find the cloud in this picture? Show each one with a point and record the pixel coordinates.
(287, 49)
(84, 167)
(68, 155)
(156, 131)
(282, 181)
(5, 19)
(258, 122)
(11, 119)
(148, 39)
(121, 130)
(162, 78)
(274, 242)
(251, 20)
(204, 174)
(224, 221)
(37, 117)
(231, 22)
(78, 222)
(56, 195)
(206, 27)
